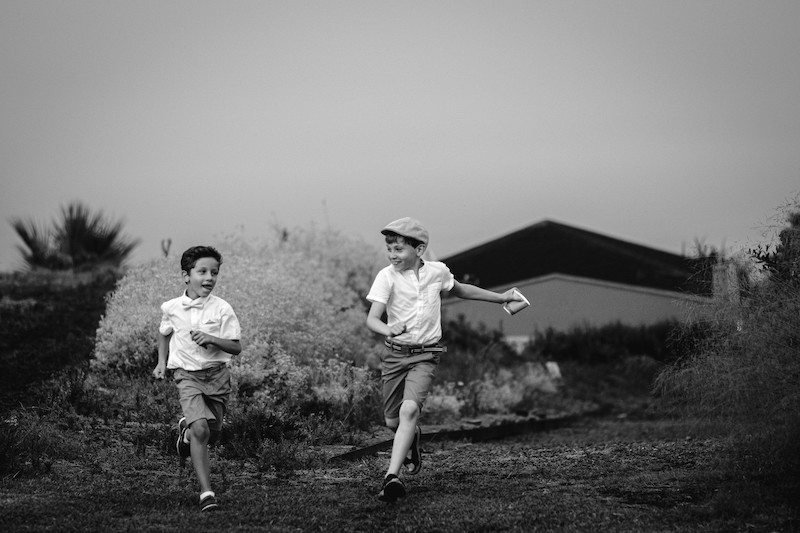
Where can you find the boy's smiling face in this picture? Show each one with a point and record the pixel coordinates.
(200, 280)
(402, 255)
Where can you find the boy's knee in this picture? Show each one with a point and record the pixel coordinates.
(200, 430)
(409, 409)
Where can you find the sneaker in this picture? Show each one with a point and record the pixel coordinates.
(183, 448)
(393, 489)
(413, 464)
(209, 503)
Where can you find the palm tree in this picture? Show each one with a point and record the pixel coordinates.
(81, 240)
(41, 251)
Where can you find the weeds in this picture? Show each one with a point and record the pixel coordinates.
(32, 442)
(743, 371)
(747, 369)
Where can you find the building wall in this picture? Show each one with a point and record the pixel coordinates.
(562, 302)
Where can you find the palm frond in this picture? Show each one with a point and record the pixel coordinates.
(80, 239)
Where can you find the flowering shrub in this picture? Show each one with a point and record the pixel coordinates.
(500, 391)
(299, 294)
(444, 403)
(300, 304)
(320, 403)
(270, 379)
(126, 335)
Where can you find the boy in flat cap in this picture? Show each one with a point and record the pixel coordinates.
(409, 292)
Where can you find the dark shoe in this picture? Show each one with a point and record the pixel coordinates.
(393, 489)
(209, 503)
(413, 464)
(183, 448)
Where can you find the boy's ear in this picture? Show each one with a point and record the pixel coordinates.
(421, 249)
(185, 276)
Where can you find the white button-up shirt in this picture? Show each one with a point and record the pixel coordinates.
(213, 315)
(417, 303)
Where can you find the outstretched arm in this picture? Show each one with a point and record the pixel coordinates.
(473, 292)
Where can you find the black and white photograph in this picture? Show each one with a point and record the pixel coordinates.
(435, 266)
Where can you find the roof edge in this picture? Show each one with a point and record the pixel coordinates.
(550, 222)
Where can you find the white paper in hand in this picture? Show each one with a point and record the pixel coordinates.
(512, 308)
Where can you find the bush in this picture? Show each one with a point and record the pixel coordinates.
(126, 335)
(299, 300)
(510, 390)
(747, 366)
(481, 374)
(473, 350)
(323, 403)
(610, 343)
(298, 293)
(47, 322)
(516, 389)
(611, 366)
(445, 403)
(744, 370)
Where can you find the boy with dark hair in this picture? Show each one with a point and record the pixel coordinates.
(198, 334)
(409, 292)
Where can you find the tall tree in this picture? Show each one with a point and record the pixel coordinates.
(79, 240)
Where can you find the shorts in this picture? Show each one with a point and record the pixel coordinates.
(204, 394)
(406, 377)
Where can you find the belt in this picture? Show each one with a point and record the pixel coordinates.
(412, 349)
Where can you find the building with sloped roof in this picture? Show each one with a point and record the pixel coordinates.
(575, 277)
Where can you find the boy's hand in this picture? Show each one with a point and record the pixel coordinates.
(159, 370)
(512, 296)
(202, 338)
(397, 329)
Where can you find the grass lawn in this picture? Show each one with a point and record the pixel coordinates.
(600, 474)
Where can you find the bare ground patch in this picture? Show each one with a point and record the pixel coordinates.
(595, 475)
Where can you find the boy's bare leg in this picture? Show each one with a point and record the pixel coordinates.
(198, 442)
(404, 435)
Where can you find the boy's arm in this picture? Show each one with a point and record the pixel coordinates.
(231, 346)
(377, 325)
(163, 353)
(473, 292)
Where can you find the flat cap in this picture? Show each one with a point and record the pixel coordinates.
(407, 227)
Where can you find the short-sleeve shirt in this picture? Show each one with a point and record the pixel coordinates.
(417, 303)
(212, 315)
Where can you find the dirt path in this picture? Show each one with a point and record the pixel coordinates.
(595, 475)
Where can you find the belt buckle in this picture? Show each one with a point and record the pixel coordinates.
(394, 347)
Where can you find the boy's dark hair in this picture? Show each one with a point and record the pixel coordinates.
(391, 237)
(190, 256)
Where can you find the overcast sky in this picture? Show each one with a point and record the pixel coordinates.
(658, 122)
